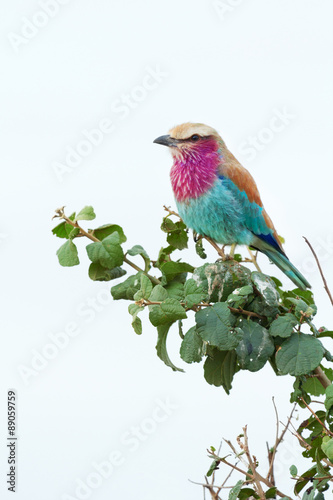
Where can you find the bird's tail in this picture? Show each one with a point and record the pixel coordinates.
(283, 263)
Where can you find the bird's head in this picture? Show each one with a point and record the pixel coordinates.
(197, 151)
(191, 140)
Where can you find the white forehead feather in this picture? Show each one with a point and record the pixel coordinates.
(186, 130)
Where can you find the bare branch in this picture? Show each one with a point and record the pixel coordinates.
(320, 270)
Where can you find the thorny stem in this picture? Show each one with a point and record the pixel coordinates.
(320, 270)
(60, 213)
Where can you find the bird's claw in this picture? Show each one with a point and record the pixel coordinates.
(197, 237)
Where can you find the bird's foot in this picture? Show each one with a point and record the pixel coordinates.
(197, 237)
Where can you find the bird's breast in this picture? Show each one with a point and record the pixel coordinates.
(216, 213)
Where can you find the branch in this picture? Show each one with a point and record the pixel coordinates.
(323, 379)
(270, 475)
(320, 270)
(147, 302)
(60, 213)
(317, 418)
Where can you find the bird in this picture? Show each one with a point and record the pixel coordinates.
(218, 198)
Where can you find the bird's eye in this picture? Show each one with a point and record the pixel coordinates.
(195, 137)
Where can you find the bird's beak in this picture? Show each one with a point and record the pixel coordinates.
(167, 140)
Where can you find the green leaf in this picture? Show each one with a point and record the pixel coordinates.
(246, 493)
(309, 494)
(293, 470)
(73, 233)
(271, 492)
(87, 213)
(266, 287)
(172, 269)
(233, 493)
(313, 386)
(134, 310)
(306, 295)
(60, 230)
(191, 349)
(240, 296)
(219, 280)
(107, 252)
(214, 326)
(175, 290)
(325, 333)
(168, 225)
(302, 308)
(161, 349)
(329, 397)
(303, 482)
(177, 233)
(100, 273)
(256, 346)
(328, 372)
(200, 249)
(300, 354)
(220, 367)
(127, 289)
(103, 231)
(193, 293)
(67, 254)
(146, 288)
(139, 250)
(63, 229)
(283, 326)
(327, 447)
(167, 312)
(158, 294)
(178, 240)
(213, 466)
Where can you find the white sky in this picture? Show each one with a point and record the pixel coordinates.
(234, 70)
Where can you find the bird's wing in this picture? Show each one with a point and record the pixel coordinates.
(241, 183)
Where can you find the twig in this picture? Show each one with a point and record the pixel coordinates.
(60, 213)
(217, 248)
(320, 270)
(278, 439)
(317, 418)
(147, 302)
(253, 259)
(253, 466)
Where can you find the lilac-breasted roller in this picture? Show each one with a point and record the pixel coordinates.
(217, 197)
